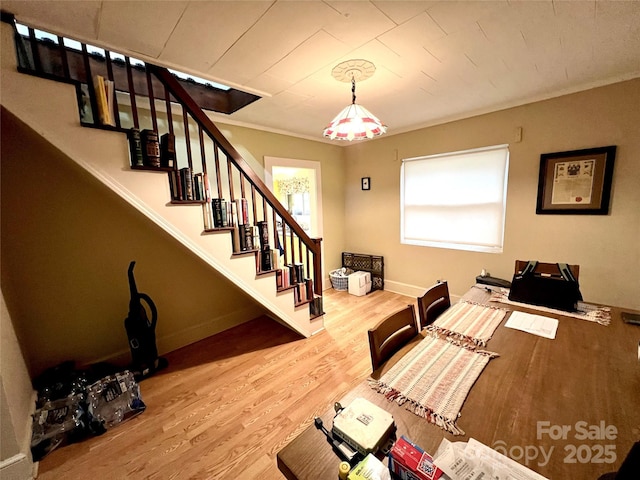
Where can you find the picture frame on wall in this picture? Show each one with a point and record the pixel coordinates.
(576, 182)
(365, 183)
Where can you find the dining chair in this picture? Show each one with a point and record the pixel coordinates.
(433, 303)
(391, 334)
(546, 268)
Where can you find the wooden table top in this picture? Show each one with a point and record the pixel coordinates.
(567, 408)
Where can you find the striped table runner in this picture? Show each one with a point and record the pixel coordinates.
(433, 380)
(467, 322)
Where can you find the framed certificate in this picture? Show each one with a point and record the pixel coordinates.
(576, 182)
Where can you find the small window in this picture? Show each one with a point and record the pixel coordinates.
(455, 200)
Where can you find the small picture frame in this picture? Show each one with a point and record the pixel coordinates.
(365, 183)
(576, 182)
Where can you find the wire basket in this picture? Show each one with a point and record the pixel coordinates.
(339, 282)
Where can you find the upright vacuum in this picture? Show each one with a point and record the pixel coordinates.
(142, 332)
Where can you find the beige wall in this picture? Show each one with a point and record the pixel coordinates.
(17, 398)
(607, 248)
(66, 246)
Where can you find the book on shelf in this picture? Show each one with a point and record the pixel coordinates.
(198, 186)
(207, 215)
(110, 89)
(282, 278)
(175, 185)
(186, 179)
(246, 239)
(315, 306)
(232, 214)
(105, 97)
(296, 273)
(309, 285)
(135, 147)
(304, 290)
(292, 274)
(263, 232)
(225, 213)
(242, 238)
(266, 258)
(275, 259)
(256, 239)
(242, 209)
(235, 239)
(168, 150)
(150, 148)
(219, 207)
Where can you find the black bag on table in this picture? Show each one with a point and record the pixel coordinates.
(560, 291)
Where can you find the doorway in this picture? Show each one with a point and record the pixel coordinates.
(297, 184)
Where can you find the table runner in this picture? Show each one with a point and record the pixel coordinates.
(467, 322)
(586, 311)
(433, 380)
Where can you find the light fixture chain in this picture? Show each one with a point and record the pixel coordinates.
(353, 89)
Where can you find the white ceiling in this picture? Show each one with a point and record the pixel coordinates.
(435, 60)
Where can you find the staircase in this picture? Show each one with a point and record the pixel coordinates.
(150, 97)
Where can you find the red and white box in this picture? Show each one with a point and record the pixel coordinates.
(409, 462)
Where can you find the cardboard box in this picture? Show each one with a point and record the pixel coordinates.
(409, 462)
(359, 283)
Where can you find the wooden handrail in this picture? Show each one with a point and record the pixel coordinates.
(221, 141)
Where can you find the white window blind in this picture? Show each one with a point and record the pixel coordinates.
(455, 200)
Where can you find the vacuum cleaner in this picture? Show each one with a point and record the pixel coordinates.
(141, 331)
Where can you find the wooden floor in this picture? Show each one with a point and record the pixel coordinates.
(226, 405)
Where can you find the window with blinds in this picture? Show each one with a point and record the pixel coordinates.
(455, 200)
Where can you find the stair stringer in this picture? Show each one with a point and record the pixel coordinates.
(50, 109)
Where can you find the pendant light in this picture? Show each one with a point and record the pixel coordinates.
(354, 122)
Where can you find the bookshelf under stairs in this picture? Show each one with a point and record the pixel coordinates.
(182, 186)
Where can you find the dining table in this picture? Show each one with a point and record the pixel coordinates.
(566, 407)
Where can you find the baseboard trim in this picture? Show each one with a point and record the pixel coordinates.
(175, 340)
(18, 467)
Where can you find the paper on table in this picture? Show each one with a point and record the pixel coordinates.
(537, 324)
(474, 460)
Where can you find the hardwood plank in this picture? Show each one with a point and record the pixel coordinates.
(226, 405)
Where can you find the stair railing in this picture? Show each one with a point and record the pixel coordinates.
(209, 156)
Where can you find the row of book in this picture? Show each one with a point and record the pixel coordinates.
(292, 276)
(185, 185)
(146, 150)
(229, 214)
(245, 237)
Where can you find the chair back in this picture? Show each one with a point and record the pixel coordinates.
(546, 268)
(391, 334)
(432, 303)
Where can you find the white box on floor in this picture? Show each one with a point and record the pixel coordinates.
(359, 283)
